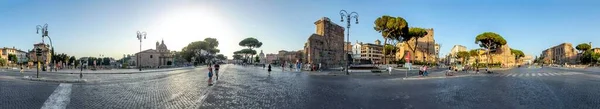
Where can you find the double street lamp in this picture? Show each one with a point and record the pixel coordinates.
(140, 36)
(44, 30)
(348, 17)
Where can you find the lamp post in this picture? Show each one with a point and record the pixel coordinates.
(348, 16)
(140, 36)
(44, 30)
(591, 56)
(101, 60)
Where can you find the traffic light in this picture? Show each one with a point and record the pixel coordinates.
(38, 52)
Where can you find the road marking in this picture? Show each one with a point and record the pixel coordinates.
(60, 98)
(502, 74)
(552, 74)
(538, 74)
(544, 74)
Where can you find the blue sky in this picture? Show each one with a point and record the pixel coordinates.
(108, 27)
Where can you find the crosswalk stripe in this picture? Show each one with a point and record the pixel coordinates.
(544, 74)
(514, 75)
(552, 74)
(538, 74)
(507, 75)
(60, 98)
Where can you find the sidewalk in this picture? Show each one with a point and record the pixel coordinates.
(65, 77)
(111, 71)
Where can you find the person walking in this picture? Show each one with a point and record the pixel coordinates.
(283, 66)
(217, 71)
(390, 69)
(425, 73)
(309, 67)
(269, 69)
(210, 75)
(21, 69)
(320, 67)
(421, 71)
(291, 66)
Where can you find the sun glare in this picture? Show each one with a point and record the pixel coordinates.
(179, 27)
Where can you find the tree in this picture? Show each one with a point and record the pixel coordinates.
(390, 28)
(589, 57)
(221, 57)
(491, 41)
(105, 61)
(3, 62)
(237, 56)
(251, 43)
(518, 54)
(194, 48)
(389, 49)
(256, 59)
(71, 60)
(13, 58)
(245, 53)
(583, 47)
(414, 33)
(475, 53)
(463, 55)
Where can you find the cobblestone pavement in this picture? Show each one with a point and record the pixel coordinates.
(21, 94)
(243, 87)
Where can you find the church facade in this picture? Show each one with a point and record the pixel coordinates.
(155, 58)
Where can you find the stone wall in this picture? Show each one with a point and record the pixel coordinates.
(326, 46)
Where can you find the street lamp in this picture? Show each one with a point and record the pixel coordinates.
(101, 60)
(44, 30)
(590, 43)
(348, 16)
(140, 36)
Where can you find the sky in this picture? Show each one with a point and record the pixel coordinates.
(108, 27)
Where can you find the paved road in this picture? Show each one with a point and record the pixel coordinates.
(253, 87)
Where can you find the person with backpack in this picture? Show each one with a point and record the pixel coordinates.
(217, 71)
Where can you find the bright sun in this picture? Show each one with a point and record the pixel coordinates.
(182, 26)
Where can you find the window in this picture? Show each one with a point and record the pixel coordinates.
(150, 56)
